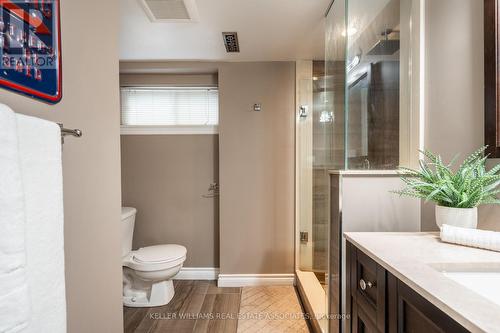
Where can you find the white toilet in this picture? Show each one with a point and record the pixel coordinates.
(148, 272)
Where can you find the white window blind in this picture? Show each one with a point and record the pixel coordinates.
(169, 107)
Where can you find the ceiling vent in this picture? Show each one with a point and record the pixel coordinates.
(176, 11)
(231, 41)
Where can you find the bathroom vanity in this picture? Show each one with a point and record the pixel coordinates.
(412, 282)
(381, 211)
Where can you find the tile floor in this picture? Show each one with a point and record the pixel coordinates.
(200, 306)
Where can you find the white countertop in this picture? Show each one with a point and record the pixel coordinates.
(413, 258)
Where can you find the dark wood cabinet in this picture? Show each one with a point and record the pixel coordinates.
(378, 302)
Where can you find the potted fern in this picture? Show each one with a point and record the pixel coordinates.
(456, 193)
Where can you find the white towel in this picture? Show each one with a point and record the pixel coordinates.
(14, 297)
(41, 169)
(483, 239)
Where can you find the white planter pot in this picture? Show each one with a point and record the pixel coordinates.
(458, 217)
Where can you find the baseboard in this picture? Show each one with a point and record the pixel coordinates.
(242, 280)
(197, 273)
(234, 280)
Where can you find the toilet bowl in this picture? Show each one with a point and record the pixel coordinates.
(148, 271)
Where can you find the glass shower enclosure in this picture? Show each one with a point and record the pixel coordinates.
(353, 113)
(313, 160)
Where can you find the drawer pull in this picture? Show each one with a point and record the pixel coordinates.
(364, 284)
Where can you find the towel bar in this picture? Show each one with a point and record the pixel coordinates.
(65, 131)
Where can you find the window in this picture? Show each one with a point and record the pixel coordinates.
(168, 110)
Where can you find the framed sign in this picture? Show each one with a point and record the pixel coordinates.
(491, 78)
(30, 44)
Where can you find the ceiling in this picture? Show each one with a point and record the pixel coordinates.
(268, 30)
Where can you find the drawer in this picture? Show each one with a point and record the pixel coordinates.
(366, 279)
(368, 287)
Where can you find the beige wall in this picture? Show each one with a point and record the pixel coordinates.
(257, 167)
(164, 177)
(169, 67)
(91, 164)
(454, 76)
(455, 88)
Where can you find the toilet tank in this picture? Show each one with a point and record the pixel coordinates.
(128, 221)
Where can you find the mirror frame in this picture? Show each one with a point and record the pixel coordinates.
(491, 78)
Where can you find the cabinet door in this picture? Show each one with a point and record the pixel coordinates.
(415, 314)
(361, 322)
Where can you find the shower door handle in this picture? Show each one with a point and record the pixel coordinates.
(303, 111)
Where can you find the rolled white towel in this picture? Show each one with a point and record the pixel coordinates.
(489, 240)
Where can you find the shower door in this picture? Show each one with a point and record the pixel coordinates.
(335, 70)
(314, 154)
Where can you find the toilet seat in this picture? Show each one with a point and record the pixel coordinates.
(157, 257)
(159, 253)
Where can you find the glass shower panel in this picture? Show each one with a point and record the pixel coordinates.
(313, 161)
(304, 156)
(333, 117)
(334, 131)
(313, 153)
(374, 60)
(322, 155)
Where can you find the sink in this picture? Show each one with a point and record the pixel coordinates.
(482, 278)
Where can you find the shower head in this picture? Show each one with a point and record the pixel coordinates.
(385, 46)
